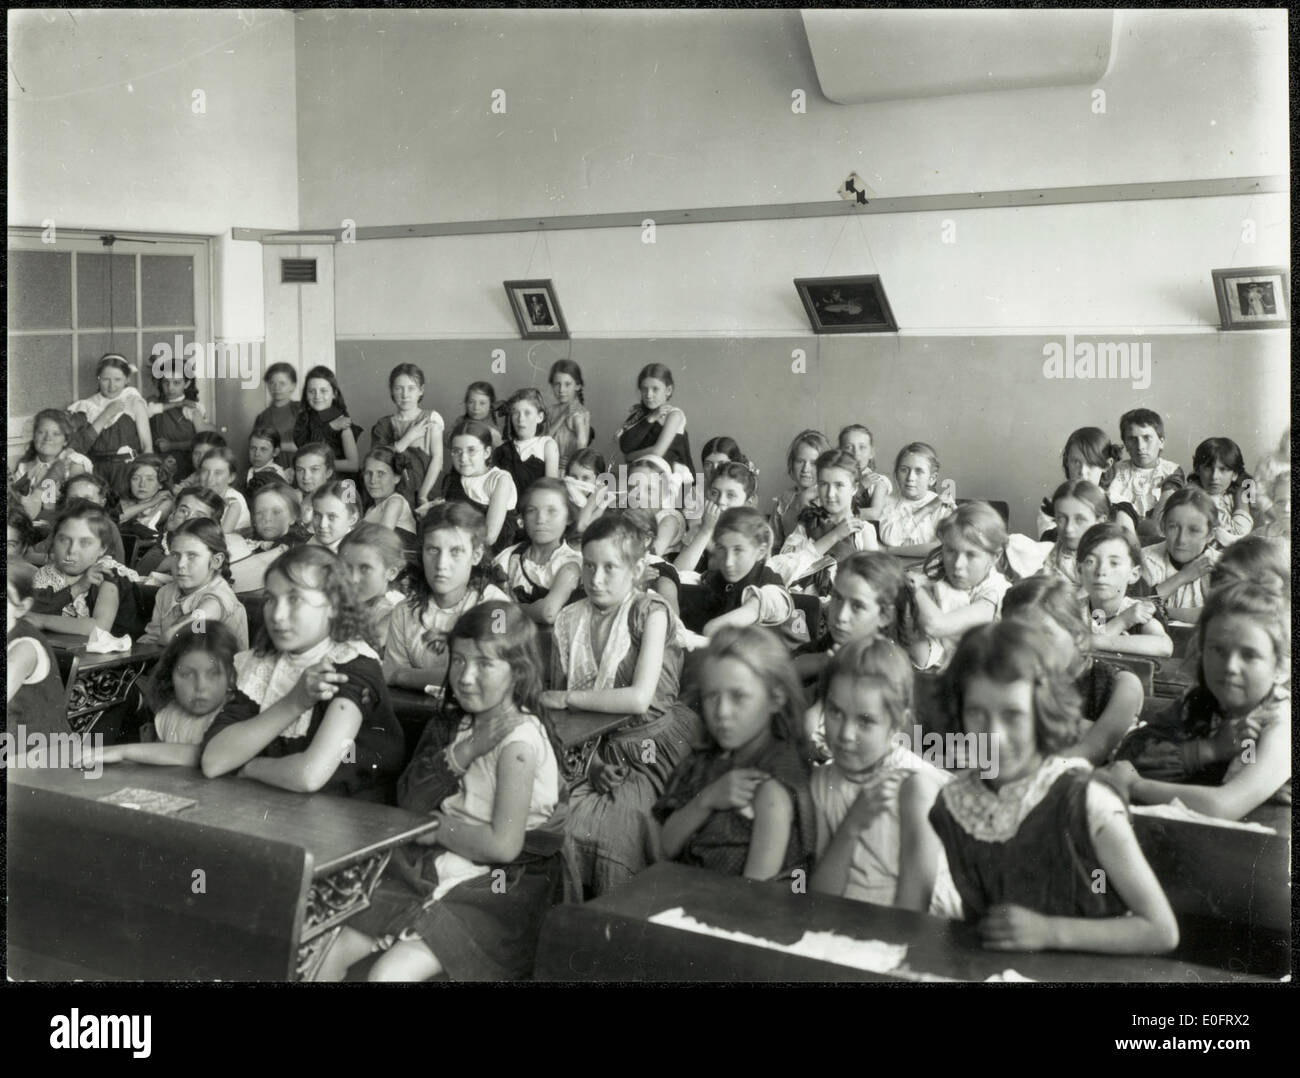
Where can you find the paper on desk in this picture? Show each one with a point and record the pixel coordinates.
(1008, 976)
(874, 955)
(102, 643)
(1176, 810)
(155, 801)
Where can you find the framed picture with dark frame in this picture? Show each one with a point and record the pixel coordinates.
(846, 304)
(536, 310)
(1255, 298)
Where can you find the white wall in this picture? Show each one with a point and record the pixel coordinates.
(103, 132)
(1115, 265)
(634, 110)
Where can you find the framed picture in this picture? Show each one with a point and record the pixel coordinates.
(536, 310)
(1255, 298)
(846, 304)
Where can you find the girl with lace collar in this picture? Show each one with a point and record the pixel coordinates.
(193, 681)
(312, 711)
(619, 652)
(452, 545)
(1225, 748)
(1026, 832)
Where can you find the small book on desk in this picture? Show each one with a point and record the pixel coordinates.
(155, 801)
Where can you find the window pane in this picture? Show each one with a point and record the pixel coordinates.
(167, 290)
(91, 346)
(40, 290)
(40, 373)
(92, 291)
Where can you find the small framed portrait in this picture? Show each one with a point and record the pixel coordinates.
(1256, 298)
(846, 304)
(536, 310)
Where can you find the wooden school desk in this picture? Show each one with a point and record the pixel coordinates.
(612, 939)
(1230, 888)
(96, 683)
(111, 898)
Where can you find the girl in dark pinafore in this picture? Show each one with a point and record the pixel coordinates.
(1029, 838)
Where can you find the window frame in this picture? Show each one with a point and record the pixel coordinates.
(83, 241)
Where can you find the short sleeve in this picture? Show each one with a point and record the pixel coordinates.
(775, 607)
(239, 708)
(1155, 570)
(365, 685)
(565, 555)
(992, 589)
(503, 478)
(42, 668)
(401, 631)
(1105, 809)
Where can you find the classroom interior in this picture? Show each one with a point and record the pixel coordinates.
(671, 173)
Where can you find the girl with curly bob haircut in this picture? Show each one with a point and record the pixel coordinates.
(312, 711)
(1025, 837)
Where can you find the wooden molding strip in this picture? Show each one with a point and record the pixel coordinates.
(974, 200)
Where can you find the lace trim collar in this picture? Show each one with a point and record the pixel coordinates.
(996, 815)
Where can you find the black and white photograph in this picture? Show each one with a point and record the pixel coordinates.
(1255, 298)
(536, 309)
(363, 628)
(846, 304)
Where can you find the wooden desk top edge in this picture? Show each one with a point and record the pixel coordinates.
(146, 776)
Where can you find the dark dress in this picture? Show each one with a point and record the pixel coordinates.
(39, 707)
(723, 598)
(283, 419)
(380, 746)
(486, 928)
(103, 450)
(642, 432)
(1194, 716)
(1047, 865)
(524, 472)
(51, 601)
(387, 432)
(315, 427)
(173, 426)
(453, 490)
(722, 844)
